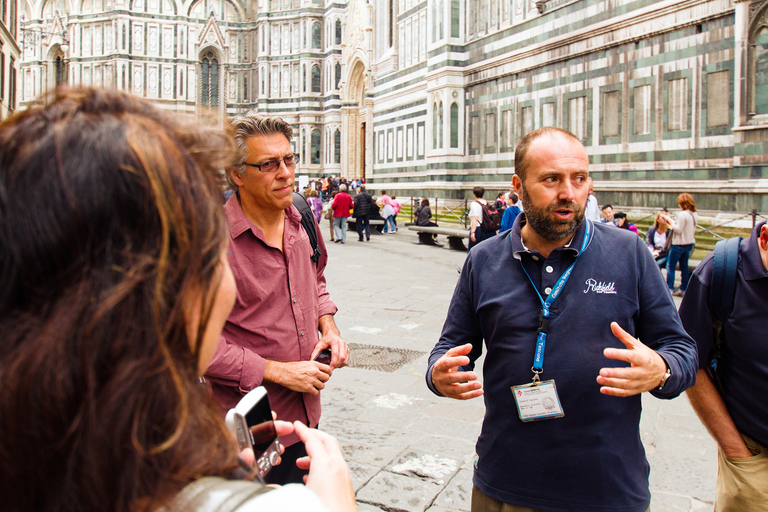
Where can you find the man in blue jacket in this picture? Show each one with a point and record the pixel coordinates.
(572, 343)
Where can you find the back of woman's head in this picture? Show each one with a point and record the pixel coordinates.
(109, 223)
(685, 200)
(425, 202)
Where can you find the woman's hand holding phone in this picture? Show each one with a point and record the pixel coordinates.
(328, 473)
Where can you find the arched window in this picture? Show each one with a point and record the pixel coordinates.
(337, 146)
(60, 69)
(315, 147)
(435, 125)
(338, 74)
(316, 83)
(125, 42)
(338, 31)
(245, 88)
(759, 64)
(209, 91)
(317, 36)
(454, 125)
(440, 125)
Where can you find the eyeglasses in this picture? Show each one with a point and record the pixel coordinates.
(273, 165)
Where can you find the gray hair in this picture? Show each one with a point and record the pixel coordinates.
(250, 125)
(343, 187)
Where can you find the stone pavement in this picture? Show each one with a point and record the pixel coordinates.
(409, 450)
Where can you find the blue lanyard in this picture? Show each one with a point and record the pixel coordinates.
(541, 337)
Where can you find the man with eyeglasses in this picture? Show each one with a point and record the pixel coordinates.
(271, 336)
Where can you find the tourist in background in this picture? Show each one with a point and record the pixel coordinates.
(659, 240)
(342, 206)
(315, 204)
(623, 222)
(423, 213)
(683, 240)
(510, 213)
(592, 211)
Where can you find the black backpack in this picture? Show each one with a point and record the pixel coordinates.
(308, 222)
(491, 220)
(722, 292)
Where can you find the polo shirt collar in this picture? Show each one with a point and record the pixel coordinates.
(239, 223)
(519, 248)
(752, 267)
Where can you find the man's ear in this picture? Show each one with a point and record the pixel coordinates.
(518, 184)
(763, 242)
(234, 173)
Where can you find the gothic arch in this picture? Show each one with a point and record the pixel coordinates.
(190, 4)
(757, 63)
(356, 86)
(64, 7)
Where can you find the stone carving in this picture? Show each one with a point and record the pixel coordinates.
(97, 35)
(755, 9)
(168, 41)
(138, 39)
(97, 76)
(152, 80)
(138, 80)
(152, 39)
(167, 82)
(87, 40)
(232, 86)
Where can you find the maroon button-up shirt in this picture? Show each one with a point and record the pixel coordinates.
(280, 297)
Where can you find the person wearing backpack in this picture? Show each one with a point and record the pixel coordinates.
(724, 311)
(477, 214)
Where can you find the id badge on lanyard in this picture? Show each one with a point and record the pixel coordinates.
(538, 400)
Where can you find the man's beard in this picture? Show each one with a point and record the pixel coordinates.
(552, 230)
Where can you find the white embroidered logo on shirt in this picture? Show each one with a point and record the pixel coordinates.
(600, 287)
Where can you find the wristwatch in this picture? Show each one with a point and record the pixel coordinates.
(665, 377)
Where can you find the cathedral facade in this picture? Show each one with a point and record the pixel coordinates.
(429, 98)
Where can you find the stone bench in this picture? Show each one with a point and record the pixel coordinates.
(352, 225)
(455, 236)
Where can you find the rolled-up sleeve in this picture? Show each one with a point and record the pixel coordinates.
(236, 366)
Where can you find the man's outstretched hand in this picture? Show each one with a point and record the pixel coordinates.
(644, 373)
(452, 383)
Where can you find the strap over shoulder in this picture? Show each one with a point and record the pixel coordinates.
(215, 494)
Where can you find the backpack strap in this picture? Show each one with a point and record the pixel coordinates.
(215, 494)
(308, 222)
(722, 292)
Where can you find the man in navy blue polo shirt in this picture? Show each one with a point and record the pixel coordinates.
(737, 419)
(572, 343)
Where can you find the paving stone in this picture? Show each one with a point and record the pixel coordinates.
(446, 427)
(426, 466)
(457, 495)
(397, 492)
(369, 443)
(361, 473)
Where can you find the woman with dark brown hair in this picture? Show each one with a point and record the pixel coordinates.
(115, 289)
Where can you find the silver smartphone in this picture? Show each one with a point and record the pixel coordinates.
(251, 421)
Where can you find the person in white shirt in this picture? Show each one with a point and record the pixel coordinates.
(683, 240)
(476, 232)
(592, 211)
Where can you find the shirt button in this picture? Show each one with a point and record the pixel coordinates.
(302, 333)
(294, 299)
(549, 269)
(535, 258)
(547, 290)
